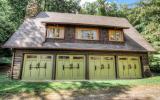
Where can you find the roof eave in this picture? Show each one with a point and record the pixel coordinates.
(67, 23)
(76, 49)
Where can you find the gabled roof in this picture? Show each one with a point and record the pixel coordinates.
(31, 34)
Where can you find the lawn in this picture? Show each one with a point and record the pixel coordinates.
(11, 87)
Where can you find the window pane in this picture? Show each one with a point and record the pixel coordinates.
(84, 34)
(31, 56)
(55, 32)
(63, 57)
(108, 58)
(76, 57)
(49, 33)
(95, 58)
(115, 35)
(45, 57)
(87, 34)
(111, 35)
(122, 58)
(94, 35)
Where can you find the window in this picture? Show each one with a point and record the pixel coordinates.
(31, 56)
(45, 57)
(115, 35)
(64, 57)
(134, 59)
(95, 58)
(108, 58)
(122, 58)
(87, 34)
(55, 32)
(77, 57)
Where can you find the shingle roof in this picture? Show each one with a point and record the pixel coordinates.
(81, 19)
(31, 34)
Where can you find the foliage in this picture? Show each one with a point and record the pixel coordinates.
(18, 8)
(70, 6)
(6, 25)
(155, 62)
(104, 8)
(146, 19)
(5, 61)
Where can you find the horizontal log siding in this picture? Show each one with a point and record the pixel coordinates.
(145, 62)
(18, 59)
(17, 64)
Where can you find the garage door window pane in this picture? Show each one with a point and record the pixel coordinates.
(63, 57)
(45, 57)
(31, 56)
(108, 58)
(77, 57)
(95, 58)
(122, 58)
(134, 59)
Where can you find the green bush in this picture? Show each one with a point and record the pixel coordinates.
(5, 61)
(155, 62)
(155, 68)
(5, 57)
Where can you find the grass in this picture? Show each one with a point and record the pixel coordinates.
(15, 86)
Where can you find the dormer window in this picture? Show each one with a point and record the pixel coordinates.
(116, 35)
(87, 34)
(55, 32)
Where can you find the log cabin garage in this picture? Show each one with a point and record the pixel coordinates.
(63, 46)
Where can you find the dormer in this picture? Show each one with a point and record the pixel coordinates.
(85, 34)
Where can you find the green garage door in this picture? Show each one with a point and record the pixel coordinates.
(101, 67)
(70, 67)
(37, 67)
(129, 67)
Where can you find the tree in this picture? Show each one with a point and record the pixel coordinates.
(146, 19)
(19, 7)
(104, 8)
(6, 25)
(89, 8)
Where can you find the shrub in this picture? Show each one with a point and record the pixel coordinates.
(155, 68)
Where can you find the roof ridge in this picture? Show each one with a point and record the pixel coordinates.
(83, 14)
